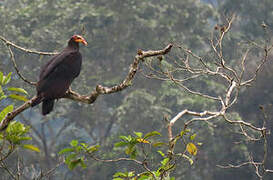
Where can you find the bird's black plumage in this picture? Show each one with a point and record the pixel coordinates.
(57, 75)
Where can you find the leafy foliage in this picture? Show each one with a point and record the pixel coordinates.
(75, 154)
(130, 143)
(8, 92)
(16, 134)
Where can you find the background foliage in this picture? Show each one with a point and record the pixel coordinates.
(115, 30)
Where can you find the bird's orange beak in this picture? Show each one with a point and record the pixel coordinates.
(82, 40)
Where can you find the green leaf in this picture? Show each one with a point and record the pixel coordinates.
(131, 174)
(161, 153)
(6, 79)
(128, 151)
(192, 137)
(69, 157)
(31, 147)
(165, 161)
(18, 97)
(82, 163)
(5, 111)
(92, 149)
(138, 134)
(84, 145)
(119, 174)
(72, 164)
(66, 150)
(1, 90)
(144, 177)
(131, 150)
(24, 138)
(121, 143)
(78, 148)
(1, 77)
(183, 132)
(3, 97)
(157, 144)
(74, 143)
(21, 90)
(125, 138)
(188, 158)
(17, 128)
(151, 134)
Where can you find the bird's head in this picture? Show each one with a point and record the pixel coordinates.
(79, 39)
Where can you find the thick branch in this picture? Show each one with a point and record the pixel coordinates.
(89, 99)
(124, 84)
(10, 116)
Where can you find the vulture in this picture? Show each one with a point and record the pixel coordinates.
(57, 75)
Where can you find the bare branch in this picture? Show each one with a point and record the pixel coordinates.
(191, 91)
(263, 61)
(16, 68)
(240, 122)
(126, 82)
(9, 43)
(237, 166)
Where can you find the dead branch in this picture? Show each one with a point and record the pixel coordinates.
(228, 74)
(232, 78)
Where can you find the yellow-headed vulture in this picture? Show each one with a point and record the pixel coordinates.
(57, 75)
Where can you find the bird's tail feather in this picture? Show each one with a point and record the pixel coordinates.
(47, 106)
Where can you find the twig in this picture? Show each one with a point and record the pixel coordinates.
(5, 167)
(9, 43)
(49, 172)
(16, 68)
(142, 163)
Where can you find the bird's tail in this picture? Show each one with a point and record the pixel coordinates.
(47, 106)
(37, 100)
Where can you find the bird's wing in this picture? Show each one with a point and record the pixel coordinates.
(57, 75)
(52, 64)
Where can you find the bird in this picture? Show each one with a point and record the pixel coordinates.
(57, 75)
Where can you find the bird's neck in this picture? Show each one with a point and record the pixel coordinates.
(73, 45)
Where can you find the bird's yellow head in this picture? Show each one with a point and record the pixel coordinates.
(79, 39)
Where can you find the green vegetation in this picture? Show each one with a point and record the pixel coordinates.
(127, 135)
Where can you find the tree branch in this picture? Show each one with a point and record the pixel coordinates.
(91, 98)
(9, 43)
(16, 68)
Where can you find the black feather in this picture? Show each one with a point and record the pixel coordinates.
(47, 106)
(57, 75)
